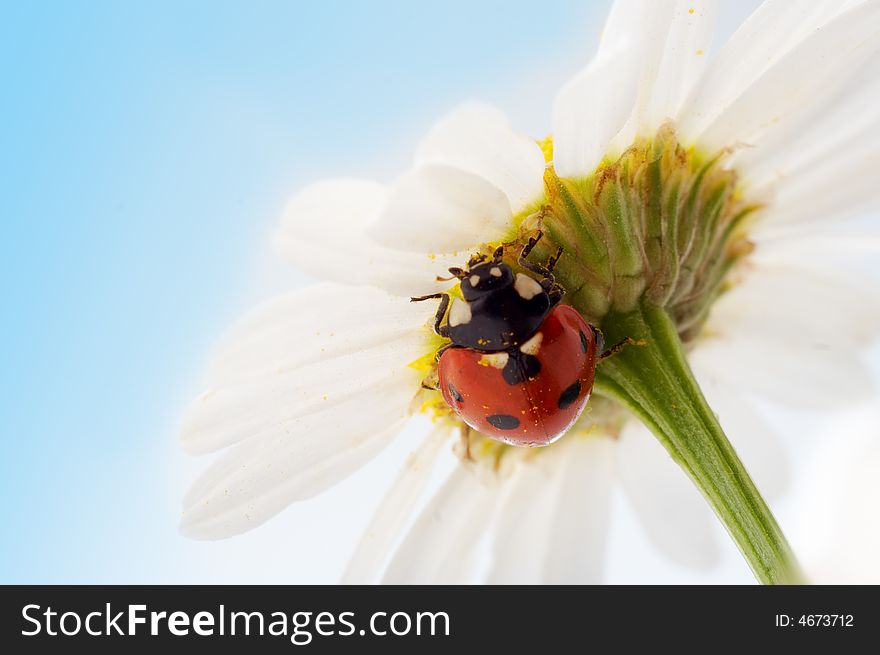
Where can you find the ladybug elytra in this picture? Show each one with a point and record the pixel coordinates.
(520, 366)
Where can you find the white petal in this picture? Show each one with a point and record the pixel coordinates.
(677, 519)
(323, 233)
(839, 187)
(770, 32)
(682, 59)
(756, 444)
(790, 373)
(232, 413)
(287, 361)
(812, 137)
(314, 324)
(845, 254)
(650, 55)
(835, 531)
(442, 209)
(793, 334)
(579, 533)
(307, 404)
(524, 530)
(395, 510)
(784, 300)
(439, 549)
(478, 139)
(291, 461)
(553, 527)
(813, 68)
(593, 106)
(674, 42)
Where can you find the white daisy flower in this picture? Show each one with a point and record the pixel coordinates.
(704, 195)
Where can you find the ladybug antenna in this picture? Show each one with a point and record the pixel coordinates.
(457, 273)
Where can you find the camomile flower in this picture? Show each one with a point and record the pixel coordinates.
(701, 206)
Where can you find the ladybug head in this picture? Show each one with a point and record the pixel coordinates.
(485, 278)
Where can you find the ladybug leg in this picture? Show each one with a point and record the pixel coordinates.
(616, 348)
(546, 272)
(551, 263)
(598, 337)
(431, 381)
(548, 281)
(527, 250)
(441, 311)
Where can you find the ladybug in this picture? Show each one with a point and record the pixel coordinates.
(520, 366)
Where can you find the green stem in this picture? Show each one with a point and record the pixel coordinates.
(652, 379)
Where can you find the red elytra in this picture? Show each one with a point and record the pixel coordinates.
(540, 407)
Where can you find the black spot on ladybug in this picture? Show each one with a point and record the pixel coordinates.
(503, 421)
(520, 367)
(583, 341)
(568, 396)
(456, 396)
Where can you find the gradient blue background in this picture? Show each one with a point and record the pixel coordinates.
(147, 150)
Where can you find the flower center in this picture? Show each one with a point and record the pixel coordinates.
(661, 223)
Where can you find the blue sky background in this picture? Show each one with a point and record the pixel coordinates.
(147, 151)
